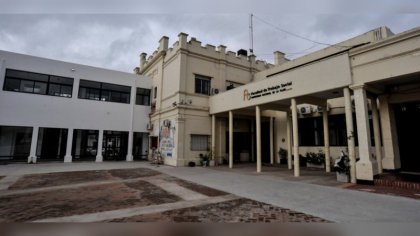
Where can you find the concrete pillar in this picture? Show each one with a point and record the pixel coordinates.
(213, 135)
(142, 60)
(258, 138)
(350, 134)
(68, 157)
(271, 140)
(34, 141)
(366, 166)
(252, 141)
(391, 155)
(99, 157)
(377, 134)
(279, 58)
(295, 139)
(129, 156)
(289, 141)
(163, 43)
(230, 139)
(326, 141)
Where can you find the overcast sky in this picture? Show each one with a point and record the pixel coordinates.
(112, 34)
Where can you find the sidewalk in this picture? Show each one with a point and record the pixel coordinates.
(331, 203)
(328, 202)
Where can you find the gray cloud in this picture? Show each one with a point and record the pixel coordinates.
(115, 40)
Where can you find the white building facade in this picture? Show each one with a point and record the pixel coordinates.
(188, 101)
(359, 96)
(58, 111)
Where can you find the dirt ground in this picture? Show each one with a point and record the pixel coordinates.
(27, 200)
(235, 211)
(75, 177)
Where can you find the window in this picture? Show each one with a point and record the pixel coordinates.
(202, 85)
(155, 92)
(199, 142)
(311, 131)
(104, 92)
(143, 96)
(29, 82)
(337, 130)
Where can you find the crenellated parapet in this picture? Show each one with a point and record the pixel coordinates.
(195, 47)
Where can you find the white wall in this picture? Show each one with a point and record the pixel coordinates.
(22, 109)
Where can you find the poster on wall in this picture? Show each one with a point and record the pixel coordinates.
(166, 137)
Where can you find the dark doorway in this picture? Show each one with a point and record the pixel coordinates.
(15, 143)
(51, 144)
(85, 145)
(241, 144)
(140, 146)
(115, 145)
(265, 142)
(407, 117)
(154, 142)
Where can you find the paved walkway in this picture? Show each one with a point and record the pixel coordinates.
(331, 203)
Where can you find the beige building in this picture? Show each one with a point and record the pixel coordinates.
(352, 96)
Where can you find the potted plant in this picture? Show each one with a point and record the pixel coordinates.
(342, 168)
(316, 160)
(204, 160)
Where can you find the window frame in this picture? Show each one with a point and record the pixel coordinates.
(37, 83)
(140, 97)
(94, 90)
(203, 86)
(207, 142)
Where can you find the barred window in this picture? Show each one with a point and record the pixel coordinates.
(199, 142)
(202, 85)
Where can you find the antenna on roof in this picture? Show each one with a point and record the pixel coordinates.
(251, 35)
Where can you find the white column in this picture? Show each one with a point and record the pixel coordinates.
(350, 134)
(258, 138)
(213, 135)
(289, 141)
(68, 157)
(230, 139)
(133, 93)
(252, 141)
(34, 141)
(99, 157)
(271, 140)
(377, 134)
(295, 139)
(326, 140)
(366, 166)
(129, 156)
(391, 155)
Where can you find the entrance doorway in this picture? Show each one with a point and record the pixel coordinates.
(140, 145)
(51, 144)
(241, 146)
(85, 145)
(407, 116)
(265, 142)
(115, 145)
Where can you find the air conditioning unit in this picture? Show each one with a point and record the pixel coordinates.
(149, 126)
(321, 109)
(305, 110)
(214, 91)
